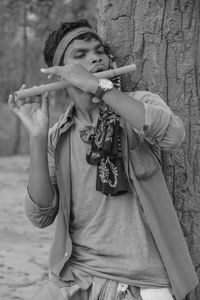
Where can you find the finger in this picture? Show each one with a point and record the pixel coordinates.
(20, 102)
(23, 86)
(45, 103)
(12, 104)
(95, 100)
(52, 70)
(45, 95)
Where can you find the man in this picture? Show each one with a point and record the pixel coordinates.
(117, 234)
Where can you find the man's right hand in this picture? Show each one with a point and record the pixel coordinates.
(33, 112)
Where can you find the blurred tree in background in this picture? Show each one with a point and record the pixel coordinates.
(24, 27)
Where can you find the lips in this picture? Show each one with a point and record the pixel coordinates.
(99, 68)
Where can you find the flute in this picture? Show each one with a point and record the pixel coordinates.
(38, 90)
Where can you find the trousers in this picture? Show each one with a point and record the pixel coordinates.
(88, 287)
(109, 291)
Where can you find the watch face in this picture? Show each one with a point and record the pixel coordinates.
(106, 84)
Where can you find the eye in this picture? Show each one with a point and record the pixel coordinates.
(79, 55)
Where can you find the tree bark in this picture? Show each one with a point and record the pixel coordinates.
(163, 38)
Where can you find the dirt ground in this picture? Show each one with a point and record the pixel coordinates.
(23, 247)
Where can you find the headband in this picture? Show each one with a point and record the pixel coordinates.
(66, 40)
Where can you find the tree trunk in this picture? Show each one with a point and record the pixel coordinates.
(163, 39)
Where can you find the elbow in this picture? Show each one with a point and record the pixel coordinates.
(41, 221)
(179, 135)
(41, 217)
(38, 218)
(173, 141)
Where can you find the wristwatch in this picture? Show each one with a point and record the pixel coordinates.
(104, 86)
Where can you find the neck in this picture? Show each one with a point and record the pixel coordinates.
(86, 111)
(87, 117)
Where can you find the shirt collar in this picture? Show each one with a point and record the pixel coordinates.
(67, 117)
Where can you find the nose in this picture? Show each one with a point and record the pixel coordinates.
(95, 58)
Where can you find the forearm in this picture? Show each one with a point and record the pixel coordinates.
(128, 108)
(39, 184)
(144, 108)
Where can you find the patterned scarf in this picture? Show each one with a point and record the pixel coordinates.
(106, 151)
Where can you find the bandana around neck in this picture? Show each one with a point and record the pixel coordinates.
(106, 150)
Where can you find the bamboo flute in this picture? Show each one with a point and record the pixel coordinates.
(38, 90)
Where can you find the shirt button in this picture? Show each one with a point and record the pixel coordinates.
(122, 287)
(66, 254)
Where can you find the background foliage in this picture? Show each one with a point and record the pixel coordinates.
(24, 27)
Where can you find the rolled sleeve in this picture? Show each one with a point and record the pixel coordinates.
(162, 127)
(41, 216)
(174, 135)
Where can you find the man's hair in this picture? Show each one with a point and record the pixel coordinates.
(56, 36)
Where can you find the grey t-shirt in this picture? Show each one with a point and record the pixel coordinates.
(110, 235)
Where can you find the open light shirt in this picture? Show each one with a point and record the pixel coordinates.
(162, 130)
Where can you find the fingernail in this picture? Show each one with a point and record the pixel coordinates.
(42, 70)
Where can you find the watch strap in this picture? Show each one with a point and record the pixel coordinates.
(100, 92)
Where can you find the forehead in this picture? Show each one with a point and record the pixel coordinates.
(83, 44)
